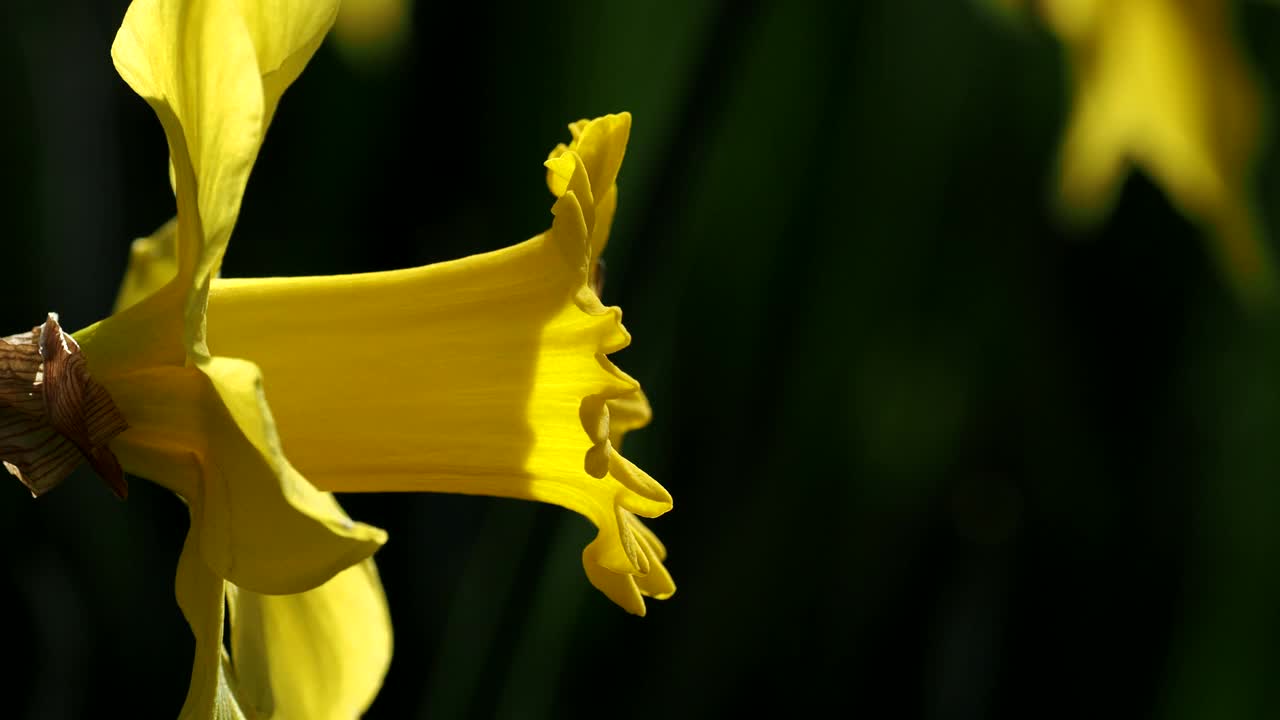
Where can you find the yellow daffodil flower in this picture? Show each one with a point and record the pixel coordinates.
(1163, 84)
(487, 375)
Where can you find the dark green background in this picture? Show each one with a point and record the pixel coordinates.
(932, 456)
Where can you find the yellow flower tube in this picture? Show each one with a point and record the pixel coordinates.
(486, 375)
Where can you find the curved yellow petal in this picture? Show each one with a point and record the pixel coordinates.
(285, 35)
(201, 596)
(318, 654)
(314, 655)
(213, 72)
(195, 63)
(485, 375)
(205, 434)
(153, 263)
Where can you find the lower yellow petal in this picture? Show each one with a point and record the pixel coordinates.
(201, 596)
(208, 437)
(314, 655)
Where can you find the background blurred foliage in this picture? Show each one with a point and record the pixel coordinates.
(932, 457)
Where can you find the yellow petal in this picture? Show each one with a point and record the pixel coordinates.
(314, 655)
(285, 35)
(485, 375)
(206, 434)
(153, 263)
(201, 596)
(213, 72)
(321, 653)
(195, 63)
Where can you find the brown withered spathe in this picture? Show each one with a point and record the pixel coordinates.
(53, 416)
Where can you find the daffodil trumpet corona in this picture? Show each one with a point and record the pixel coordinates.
(487, 375)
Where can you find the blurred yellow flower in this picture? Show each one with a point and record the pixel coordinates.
(1164, 85)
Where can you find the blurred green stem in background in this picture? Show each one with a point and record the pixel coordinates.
(1224, 658)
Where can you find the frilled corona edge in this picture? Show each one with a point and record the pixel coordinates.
(618, 575)
(53, 416)
(583, 175)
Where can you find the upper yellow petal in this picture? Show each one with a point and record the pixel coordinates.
(213, 72)
(194, 62)
(285, 33)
